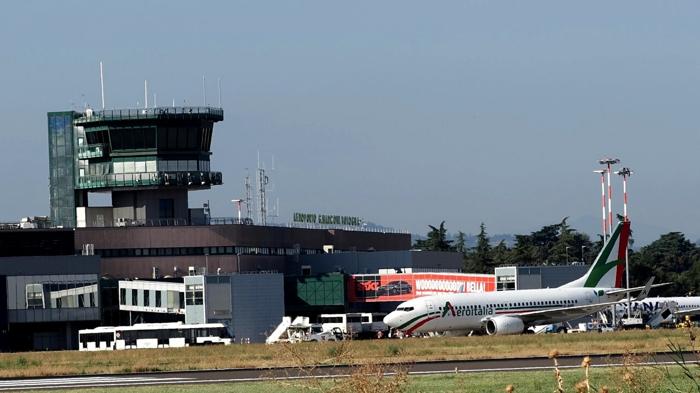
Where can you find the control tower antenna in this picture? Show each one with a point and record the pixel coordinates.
(204, 90)
(248, 197)
(102, 87)
(218, 83)
(145, 93)
(263, 181)
(609, 162)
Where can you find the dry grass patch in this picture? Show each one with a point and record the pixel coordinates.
(363, 352)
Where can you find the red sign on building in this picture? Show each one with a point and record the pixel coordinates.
(406, 286)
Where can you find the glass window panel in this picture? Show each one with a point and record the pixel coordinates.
(118, 167)
(128, 167)
(151, 166)
(192, 165)
(140, 166)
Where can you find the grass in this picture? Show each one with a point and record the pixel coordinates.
(523, 382)
(359, 352)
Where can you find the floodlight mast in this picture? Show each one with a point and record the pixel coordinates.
(602, 199)
(625, 173)
(609, 162)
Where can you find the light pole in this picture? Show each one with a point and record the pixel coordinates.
(567, 254)
(625, 173)
(583, 257)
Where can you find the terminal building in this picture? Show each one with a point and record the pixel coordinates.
(136, 259)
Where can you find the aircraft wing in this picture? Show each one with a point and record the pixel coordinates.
(692, 311)
(561, 313)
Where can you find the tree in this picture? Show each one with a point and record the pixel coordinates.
(523, 252)
(461, 243)
(500, 254)
(671, 258)
(479, 260)
(436, 241)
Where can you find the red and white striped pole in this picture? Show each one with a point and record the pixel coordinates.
(609, 162)
(625, 173)
(602, 201)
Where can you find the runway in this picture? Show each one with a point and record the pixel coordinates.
(252, 375)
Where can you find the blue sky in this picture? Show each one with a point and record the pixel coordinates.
(405, 113)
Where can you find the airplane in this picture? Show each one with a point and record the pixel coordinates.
(678, 306)
(513, 312)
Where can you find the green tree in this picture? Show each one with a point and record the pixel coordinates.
(500, 254)
(479, 260)
(523, 252)
(461, 243)
(671, 258)
(436, 241)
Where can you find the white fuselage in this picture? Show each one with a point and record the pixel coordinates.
(652, 305)
(469, 311)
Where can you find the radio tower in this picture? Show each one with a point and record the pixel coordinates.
(263, 180)
(609, 162)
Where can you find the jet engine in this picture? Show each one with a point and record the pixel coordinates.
(504, 325)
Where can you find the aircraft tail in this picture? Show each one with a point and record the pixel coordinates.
(607, 269)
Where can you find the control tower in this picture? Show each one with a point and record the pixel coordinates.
(148, 159)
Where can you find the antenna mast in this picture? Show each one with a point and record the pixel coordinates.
(102, 87)
(218, 82)
(145, 93)
(248, 197)
(204, 90)
(263, 180)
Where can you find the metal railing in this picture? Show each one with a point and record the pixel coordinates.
(166, 179)
(153, 113)
(91, 151)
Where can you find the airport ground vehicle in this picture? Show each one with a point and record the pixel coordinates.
(355, 325)
(152, 335)
(299, 329)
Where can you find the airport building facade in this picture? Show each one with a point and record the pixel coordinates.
(136, 260)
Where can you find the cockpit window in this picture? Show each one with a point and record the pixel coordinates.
(404, 309)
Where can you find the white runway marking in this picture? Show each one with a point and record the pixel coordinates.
(52, 383)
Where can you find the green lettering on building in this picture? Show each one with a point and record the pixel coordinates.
(326, 219)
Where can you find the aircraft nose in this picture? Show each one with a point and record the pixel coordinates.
(391, 319)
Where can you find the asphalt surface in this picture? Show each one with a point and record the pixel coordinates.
(252, 375)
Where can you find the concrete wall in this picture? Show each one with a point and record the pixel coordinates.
(145, 204)
(534, 277)
(258, 305)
